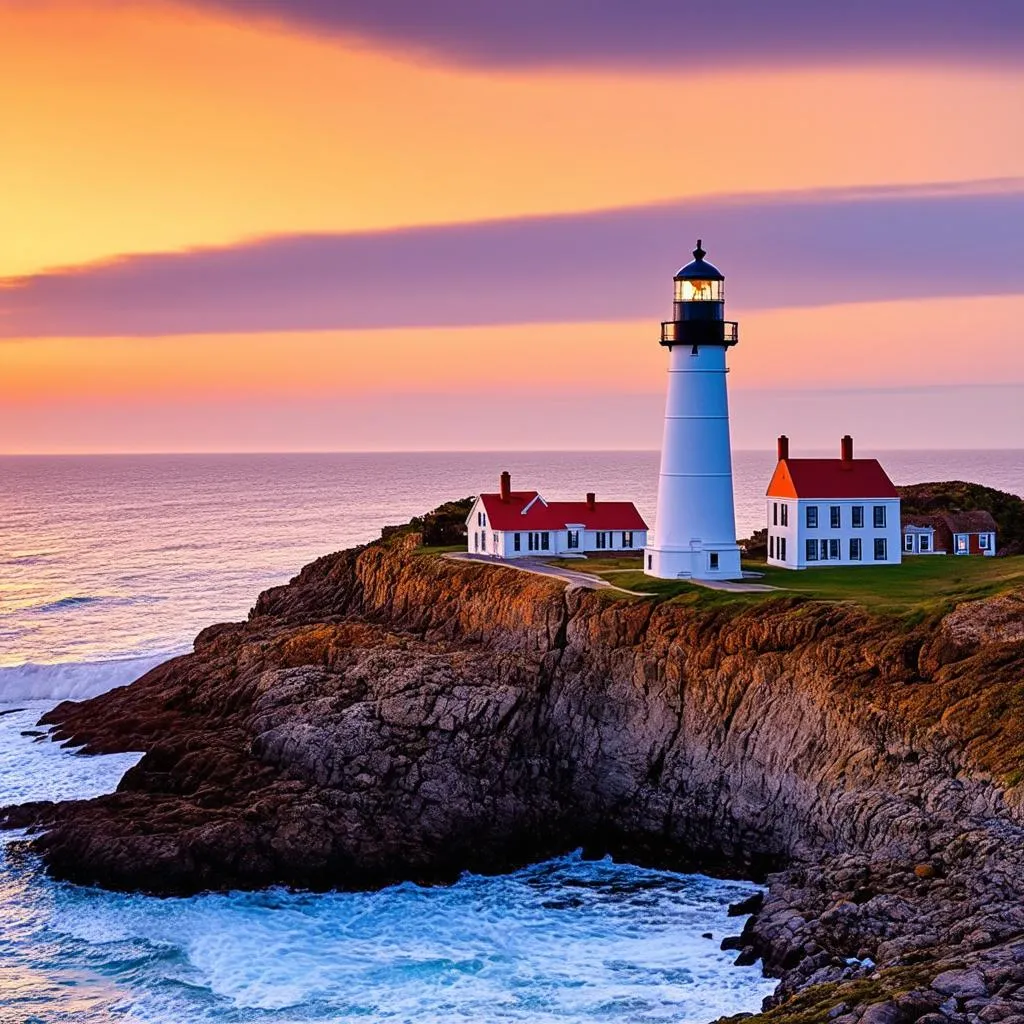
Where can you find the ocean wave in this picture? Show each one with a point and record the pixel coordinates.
(72, 680)
(74, 601)
(627, 947)
(30, 558)
(63, 603)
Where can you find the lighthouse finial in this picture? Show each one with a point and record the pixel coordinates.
(699, 252)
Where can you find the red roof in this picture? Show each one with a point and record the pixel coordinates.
(556, 515)
(830, 478)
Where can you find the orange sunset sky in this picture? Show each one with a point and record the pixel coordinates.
(229, 226)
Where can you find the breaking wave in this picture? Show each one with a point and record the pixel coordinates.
(72, 680)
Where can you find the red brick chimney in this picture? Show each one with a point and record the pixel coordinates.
(591, 500)
(783, 447)
(506, 485)
(846, 448)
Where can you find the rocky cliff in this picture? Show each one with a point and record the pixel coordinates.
(392, 714)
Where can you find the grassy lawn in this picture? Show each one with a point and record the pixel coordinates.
(440, 549)
(920, 586)
(928, 584)
(627, 572)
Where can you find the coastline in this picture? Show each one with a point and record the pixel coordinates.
(394, 715)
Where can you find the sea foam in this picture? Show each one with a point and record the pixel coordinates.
(71, 680)
(570, 941)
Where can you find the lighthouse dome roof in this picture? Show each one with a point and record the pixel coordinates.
(698, 269)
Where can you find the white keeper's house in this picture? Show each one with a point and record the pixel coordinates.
(520, 524)
(842, 511)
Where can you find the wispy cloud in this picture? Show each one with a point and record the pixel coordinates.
(779, 251)
(676, 33)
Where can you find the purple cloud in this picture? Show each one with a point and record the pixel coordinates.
(665, 32)
(796, 250)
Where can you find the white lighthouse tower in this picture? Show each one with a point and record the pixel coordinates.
(695, 529)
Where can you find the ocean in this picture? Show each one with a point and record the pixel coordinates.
(109, 564)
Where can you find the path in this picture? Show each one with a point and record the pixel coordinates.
(575, 578)
(540, 568)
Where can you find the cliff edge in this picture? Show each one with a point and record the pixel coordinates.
(392, 714)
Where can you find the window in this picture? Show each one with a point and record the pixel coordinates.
(879, 517)
(984, 540)
(775, 513)
(785, 514)
(476, 541)
(824, 550)
(545, 541)
(713, 561)
(858, 517)
(812, 550)
(484, 523)
(627, 538)
(483, 541)
(517, 542)
(529, 538)
(833, 548)
(812, 517)
(880, 554)
(961, 543)
(855, 554)
(908, 542)
(771, 545)
(650, 561)
(479, 519)
(925, 542)
(699, 291)
(833, 517)
(781, 547)
(573, 539)
(494, 543)
(599, 537)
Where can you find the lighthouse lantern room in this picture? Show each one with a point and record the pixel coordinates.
(695, 529)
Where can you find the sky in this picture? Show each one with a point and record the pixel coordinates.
(334, 225)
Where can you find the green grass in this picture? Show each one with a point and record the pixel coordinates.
(627, 572)
(923, 585)
(440, 549)
(918, 588)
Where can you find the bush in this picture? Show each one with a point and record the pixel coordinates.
(442, 527)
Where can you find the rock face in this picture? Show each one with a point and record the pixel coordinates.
(395, 715)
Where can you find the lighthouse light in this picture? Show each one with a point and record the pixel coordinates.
(699, 291)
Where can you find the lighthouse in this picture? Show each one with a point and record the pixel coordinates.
(695, 529)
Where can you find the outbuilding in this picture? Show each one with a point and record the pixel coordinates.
(957, 533)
